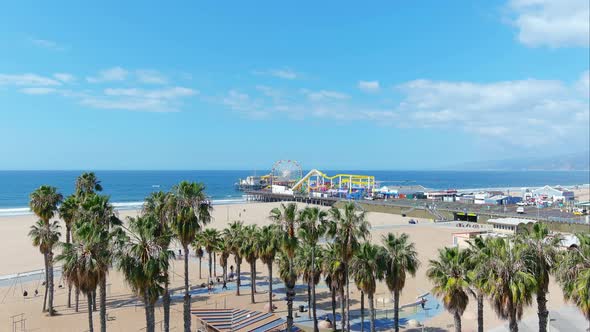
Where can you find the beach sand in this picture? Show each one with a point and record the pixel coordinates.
(126, 313)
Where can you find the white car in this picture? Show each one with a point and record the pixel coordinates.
(520, 210)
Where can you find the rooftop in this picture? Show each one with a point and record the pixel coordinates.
(511, 221)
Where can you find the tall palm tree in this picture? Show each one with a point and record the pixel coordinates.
(233, 236)
(45, 240)
(269, 245)
(350, 226)
(313, 226)
(511, 282)
(67, 212)
(209, 239)
(157, 204)
(335, 277)
(451, 278)
(310, 271)
(573, 273)
(199, 253)
(99, 224)
(250, 250)
(367, 268)
(143, 261)
(81, 268)
(192, 213)
(543, 249)
(285, 218)
(87, 183)
(479, 256)
(400, 259)
(224, 251)
(44, 203)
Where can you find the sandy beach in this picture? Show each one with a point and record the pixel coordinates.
(126, 313)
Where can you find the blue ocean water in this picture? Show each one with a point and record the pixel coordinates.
(127, 189)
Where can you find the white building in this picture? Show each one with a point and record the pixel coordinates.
(553, 194)
(508, 225)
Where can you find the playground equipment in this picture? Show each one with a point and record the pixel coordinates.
(350, 185)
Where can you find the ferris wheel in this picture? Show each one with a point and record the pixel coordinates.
(286, 171)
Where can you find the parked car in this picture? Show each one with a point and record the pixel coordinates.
(520, 210)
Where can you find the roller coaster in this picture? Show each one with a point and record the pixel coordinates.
(318, 181)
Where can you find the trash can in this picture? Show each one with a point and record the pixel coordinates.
(301, 308)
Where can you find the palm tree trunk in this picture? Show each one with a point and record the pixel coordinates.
(166, 303)
(313, 301)
(362, 311)
(148, 315)
(50, 282)
(342, 309)
(333, 291)
(46, 282)
(252, 282)
(457, 318)
(238, 278)
(270, 309)
(94, 306)
(210, 268)
(479, 312)
(77, 298)
(396, 310)
(187, 298)
(200, 275)
(542, 310)
(372, 312)
(290, 295)
(89, 298)
(214, 264)
(309, 298)
(69, 286)
(152, 317)
(103, 304)
(513, 325)
(347, 300)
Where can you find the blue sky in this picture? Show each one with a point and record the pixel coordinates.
(379, 85)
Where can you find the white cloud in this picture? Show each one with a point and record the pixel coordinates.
(145, 105)
(583, 84)
(37, 91)
(133, 99)
(166, 93)
(553, 23)
(48, 44)
(151, 77)
(323, 95)
(369, 86)
(64, 77)
(285, 73)
(109, 75)
(27, 80)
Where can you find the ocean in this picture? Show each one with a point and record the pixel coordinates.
(127, 189)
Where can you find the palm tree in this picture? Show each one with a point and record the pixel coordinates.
(479, 256)
(67, 212)
(349, 227)
(157, 204)
(199, 253)
(451, 278)
(400, 258)
(285, 218)
(80, 267)
(269, 245)
(43, 202)
(511, 282)
(367, 269)
(544, 249)
(98, 220)
(289, 276)
(45, 240)
(310, 271)
(334, 275)
(192, 213)
(143, 261)
(210, 239)
(313, 226)
(86, 184)
(233, 236)
(573, 273)
(250, 250)
(223, 249)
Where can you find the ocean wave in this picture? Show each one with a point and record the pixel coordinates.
(119, 206)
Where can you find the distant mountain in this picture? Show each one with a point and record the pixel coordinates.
(567, 162)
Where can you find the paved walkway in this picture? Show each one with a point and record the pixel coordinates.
(566, 319)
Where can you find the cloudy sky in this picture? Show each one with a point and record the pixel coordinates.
(379, 85)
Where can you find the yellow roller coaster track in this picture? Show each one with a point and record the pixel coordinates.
(355, 179)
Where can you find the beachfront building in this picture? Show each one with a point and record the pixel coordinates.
(509, 225)
(444, 195)
(460, 239)
(551, 194)
(502, 200)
